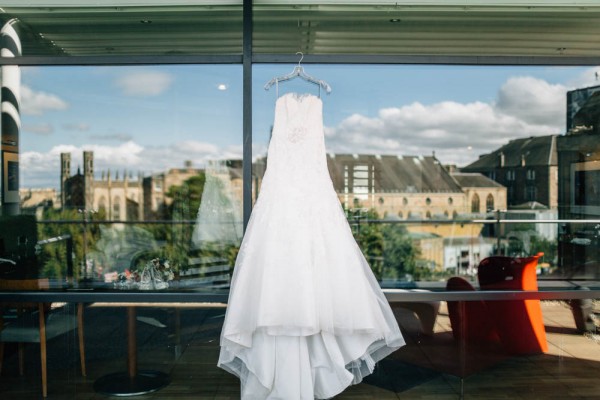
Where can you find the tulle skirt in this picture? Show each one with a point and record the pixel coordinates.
(306, 318)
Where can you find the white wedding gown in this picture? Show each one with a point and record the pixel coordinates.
(306, 317)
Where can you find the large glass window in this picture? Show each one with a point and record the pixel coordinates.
(135, 163)
(405, 153)
(123, 179)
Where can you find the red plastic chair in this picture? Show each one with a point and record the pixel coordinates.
(519, 323)
(470, 320)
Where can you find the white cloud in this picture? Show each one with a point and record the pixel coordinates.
(43, 169)
(37, 103)
(456, 132)
(144, 83)
(533, 100)
(123, 155)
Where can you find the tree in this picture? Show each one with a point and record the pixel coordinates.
(186, 197)
(53, 257)
(399, 253)
(368, 236)
(387, 247)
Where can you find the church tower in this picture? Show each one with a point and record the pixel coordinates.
(88, 178)
(65, 173)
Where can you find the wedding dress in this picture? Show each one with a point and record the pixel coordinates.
(306, 317)
(219, 219)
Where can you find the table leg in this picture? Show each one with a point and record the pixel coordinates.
(131, 342)
(133, 382)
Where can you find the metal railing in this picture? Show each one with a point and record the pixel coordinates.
(565, 288)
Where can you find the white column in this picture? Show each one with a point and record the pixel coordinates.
(10, 96)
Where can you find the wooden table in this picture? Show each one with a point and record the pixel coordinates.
(136, 382)
(133, 382)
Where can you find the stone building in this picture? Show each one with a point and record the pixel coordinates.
(156, 187)
(35, 201)
(120, 199)
(528, 168)
(483, 195)
(418, 189)
(410, 187)
(130, 198)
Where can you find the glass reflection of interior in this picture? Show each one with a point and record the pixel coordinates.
(123, 171)
(129, 180)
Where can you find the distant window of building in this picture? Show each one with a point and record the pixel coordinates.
(158, 186)
(454, 214)
(381, 200)
(450, 201)
(116, 208)
(346, 180)
(489, 202)
(428, 201)
(400, 214)
(530, 193)
(510, 175)
(404, 201)
(428, 215)
(361, 182)
(446, 214)
(475, 203)
(531, 174)
(492, 175)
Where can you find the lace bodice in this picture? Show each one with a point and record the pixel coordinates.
(296, 152)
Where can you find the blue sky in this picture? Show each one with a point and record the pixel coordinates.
(150, 118)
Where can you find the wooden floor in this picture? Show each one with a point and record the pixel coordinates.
(429, 367)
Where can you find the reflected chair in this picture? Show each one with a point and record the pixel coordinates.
(20, 247)
(519, 323)
(470, 320)
(36, 323)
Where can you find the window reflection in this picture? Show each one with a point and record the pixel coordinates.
(404, 158)
(116, 157)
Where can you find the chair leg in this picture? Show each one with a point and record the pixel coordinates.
(1, 344)
(21, 353)
(1, 355)
(81, 341)
(43, 351)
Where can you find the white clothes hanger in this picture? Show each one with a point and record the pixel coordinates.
(298, 72)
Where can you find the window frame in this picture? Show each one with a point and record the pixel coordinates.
(247, 60)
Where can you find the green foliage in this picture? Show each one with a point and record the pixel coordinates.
(185, 203)
(186, 197)
(370, 239)
(548, 247)
(400, 254)
(388, 247)
(53, 257)
(124, 246)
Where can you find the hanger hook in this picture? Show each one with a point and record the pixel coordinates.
(301, 57)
